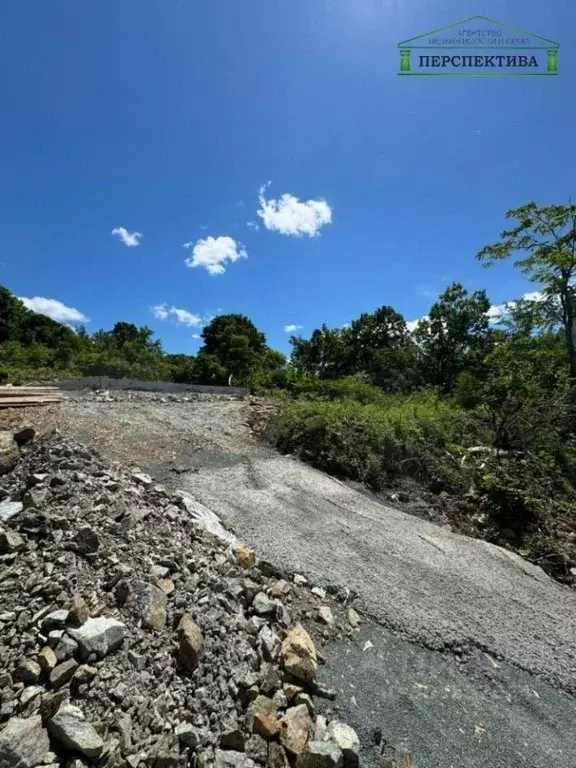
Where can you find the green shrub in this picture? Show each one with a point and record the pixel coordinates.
(419, 436)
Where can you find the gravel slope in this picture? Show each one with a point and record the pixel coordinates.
(442, 589)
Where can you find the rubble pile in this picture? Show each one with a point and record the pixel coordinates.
(131, 637)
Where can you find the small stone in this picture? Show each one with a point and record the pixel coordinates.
(320, 728)
(9, 509)
(187, 735)
(346, 739)
(79, 612)
(291, 690)
(138, 660)
(257, 748)
(62, 673)
(279, 588)
(10, 541)
(191, 643)
(229, 758)
(353, 618)
(150, 604)
(277, 756)
(24, 743)
(300, 580)
(305, 698)
(84, 674)
(295, 729)
(159, 571)
(29, 671)
(265, 725)
(100, 636)
(270, 643)
(9, 453)
(54, 620)
(47, 659)
(30, 693)
(143, 479)
(245, 557)
(326, 615)
(87, 540)
(24, 434)
(320, 754)
(70, 727)
(166, 585)
(319, 592)
(232, 739)
(263, 605)
(66, 648)
(299, 654)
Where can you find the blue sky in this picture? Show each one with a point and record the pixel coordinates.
(168, 117)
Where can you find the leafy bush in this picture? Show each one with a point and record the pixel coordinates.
(419, 436)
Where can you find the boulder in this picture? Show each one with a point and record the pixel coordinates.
(299, 654)
(87, 540)
(9, 452)
(346, 739)
(295, 729)
(191, 643)
(320, 754)
(326, 615)
(100, 636)
(71, 729)
(24, 743)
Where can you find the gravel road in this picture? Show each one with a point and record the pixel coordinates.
(446, 592)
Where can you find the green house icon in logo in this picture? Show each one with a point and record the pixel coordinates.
(478, 46)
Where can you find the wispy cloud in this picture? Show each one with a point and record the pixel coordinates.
(291, 216)
(130, 239)
(253, 226)
(292, 328)
(54, 309)
(498, 311)
(180, 316)
(212, 253)
(196, 336)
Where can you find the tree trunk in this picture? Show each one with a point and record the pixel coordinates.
(570, 333)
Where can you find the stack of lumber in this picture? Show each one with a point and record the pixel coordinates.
(21, 397)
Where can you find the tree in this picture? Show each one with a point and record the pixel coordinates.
(547, 236)
(235, 343)
(322, 355)
(454, 337)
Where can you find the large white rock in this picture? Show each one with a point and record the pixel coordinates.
(99, 636)
(347, 740)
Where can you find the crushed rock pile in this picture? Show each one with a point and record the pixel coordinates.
(131, 637)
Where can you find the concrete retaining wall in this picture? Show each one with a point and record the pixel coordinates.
(103, 382)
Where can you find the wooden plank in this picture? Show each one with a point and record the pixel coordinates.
(28, 401)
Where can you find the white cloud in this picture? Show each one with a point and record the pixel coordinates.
(181, 316)
(196, 336)
(290, 216)
(212, 253)
(292, 328)
(253, 226)
(497, 311)
(54, 309)
(411, 325)
(130, 239)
